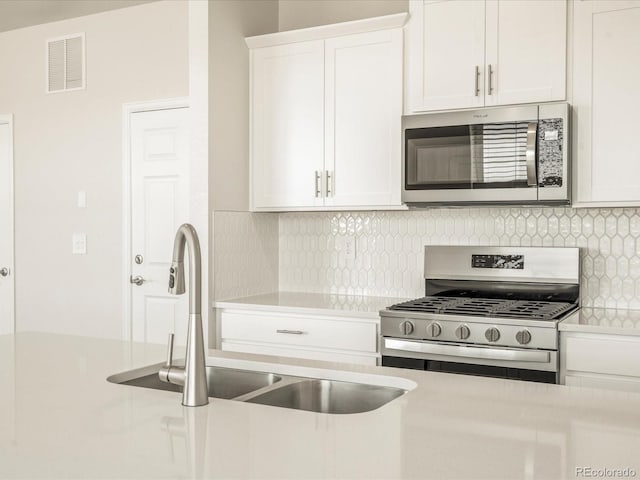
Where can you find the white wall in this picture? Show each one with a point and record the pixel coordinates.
(245, 245)
(310, 13)
(230, 21)
(67, 142)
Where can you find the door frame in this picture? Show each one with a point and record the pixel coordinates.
(7, 119)
(128, 109)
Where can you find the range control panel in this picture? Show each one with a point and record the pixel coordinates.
(509, 262)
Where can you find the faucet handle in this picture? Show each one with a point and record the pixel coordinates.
(170, 350)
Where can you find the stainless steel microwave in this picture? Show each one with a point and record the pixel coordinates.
(506, 155)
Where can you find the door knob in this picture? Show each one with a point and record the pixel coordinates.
(4, 272)
(138, 280)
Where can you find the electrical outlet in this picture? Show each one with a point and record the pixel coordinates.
(349, 247)
(346, 246)
(79, 244)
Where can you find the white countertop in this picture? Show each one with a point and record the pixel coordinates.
(60, 418)
(603, 321)
(314, 303)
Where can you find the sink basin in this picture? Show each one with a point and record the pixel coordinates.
(278, 390)
(224, 383)
(328, 396)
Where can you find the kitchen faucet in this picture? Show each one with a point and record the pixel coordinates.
(193, 376)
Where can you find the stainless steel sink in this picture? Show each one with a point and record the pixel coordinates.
(265, 388)
(328, 396)
(224, 383)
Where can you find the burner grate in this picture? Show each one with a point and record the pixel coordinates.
(487, 307)
(534, 309)
(426, 304)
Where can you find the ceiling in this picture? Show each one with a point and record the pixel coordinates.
(23, 13)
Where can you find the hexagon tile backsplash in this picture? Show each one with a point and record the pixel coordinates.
(389, 246)
(245, 260)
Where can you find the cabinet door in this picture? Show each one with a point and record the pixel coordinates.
(526, 44)
(287, 108)
(446, 54)
(606, 75)
(363, 108)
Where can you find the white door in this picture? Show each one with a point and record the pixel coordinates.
(159, 205)
(526, 45)
(446, 45)
(606, 99)
(363, 106)
(287, 110)
(6, 226)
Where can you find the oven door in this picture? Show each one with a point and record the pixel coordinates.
(501, 362)
(471, 157)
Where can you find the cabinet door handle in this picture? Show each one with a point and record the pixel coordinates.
(290, 332)
(318, 188)
(477, 75)
(490, 80)
(329, 180)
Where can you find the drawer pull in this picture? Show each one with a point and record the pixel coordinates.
(291, 332)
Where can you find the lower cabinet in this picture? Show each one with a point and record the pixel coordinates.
(315, 337)
(600, 361)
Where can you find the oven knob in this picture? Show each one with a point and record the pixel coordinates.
(463, 332)
(406, 328)
(434, 329)
(523, 337)
(492, 334)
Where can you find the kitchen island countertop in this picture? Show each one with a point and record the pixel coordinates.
(60, 418)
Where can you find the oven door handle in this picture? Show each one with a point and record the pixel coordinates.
(468, 351)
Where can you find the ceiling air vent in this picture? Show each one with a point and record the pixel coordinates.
(65, 63)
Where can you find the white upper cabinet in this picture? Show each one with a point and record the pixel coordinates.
(475, 53)
(446, 54)
(526, 45)
(606, 99)
(363, 106)
(326, 109)
(287, 135)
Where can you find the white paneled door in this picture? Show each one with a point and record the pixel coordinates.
(6, 226)
(159, 204)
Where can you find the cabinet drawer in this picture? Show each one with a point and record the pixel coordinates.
(284, 329)
(296, 352)
(613, 356)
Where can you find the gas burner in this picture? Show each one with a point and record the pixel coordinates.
(487, 307)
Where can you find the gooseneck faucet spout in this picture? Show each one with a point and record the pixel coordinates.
(193, 376)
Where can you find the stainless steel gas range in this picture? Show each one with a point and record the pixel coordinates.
(490, 311)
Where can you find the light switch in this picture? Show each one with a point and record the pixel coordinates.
(82, 199)
(79, 243)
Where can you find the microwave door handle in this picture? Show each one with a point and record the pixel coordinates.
(532, 134)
